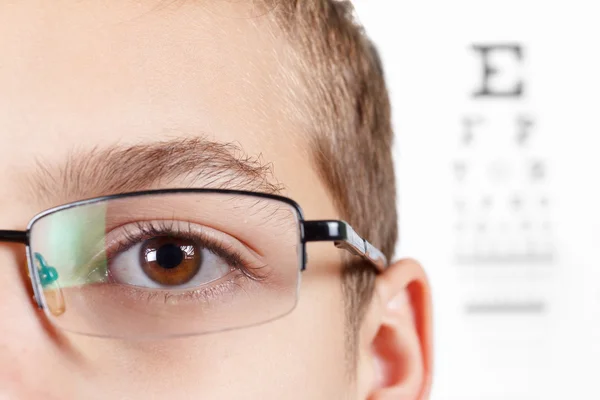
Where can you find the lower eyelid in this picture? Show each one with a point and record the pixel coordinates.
(230, 283)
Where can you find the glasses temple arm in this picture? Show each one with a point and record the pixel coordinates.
(344, 237)
(14, 237)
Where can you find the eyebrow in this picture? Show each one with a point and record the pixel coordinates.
(174, 163)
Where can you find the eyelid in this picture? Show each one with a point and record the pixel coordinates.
(211, 238)
(257, 252)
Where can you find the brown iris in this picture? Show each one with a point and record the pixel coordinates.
(170, 261)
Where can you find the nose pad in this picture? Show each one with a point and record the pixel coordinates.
(53, 294)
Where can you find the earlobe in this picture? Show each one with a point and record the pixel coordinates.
(399, 334)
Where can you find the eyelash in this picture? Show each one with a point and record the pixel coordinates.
(152, 229)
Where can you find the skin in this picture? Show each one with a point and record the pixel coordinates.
(78, 75)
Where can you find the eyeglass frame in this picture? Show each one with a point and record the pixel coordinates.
(339, 232)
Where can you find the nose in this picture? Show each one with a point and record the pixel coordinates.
(16, 301)
(28, 356)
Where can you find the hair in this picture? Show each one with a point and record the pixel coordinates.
(352, 134)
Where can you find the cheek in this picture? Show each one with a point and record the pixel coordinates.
(301, 355)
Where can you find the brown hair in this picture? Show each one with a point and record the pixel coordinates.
(352, 135)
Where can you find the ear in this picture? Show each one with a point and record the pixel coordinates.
(395, 353)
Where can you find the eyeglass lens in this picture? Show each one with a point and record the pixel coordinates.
(167, 264)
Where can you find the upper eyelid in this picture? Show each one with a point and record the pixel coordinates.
(149, 228)
(254, 250)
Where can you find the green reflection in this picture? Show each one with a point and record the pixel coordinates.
(76, 244)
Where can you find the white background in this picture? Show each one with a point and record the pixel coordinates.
(432, 72)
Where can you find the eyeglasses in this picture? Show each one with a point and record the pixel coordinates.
(174, 262)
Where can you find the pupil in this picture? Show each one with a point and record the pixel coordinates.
(169, 256)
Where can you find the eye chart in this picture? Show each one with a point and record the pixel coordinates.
(502, 203)
(498, 129)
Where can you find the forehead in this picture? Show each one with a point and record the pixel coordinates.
(82, 75)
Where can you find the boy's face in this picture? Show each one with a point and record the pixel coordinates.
(77, 76)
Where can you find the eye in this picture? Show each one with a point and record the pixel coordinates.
(158, 258)
(170, 260)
